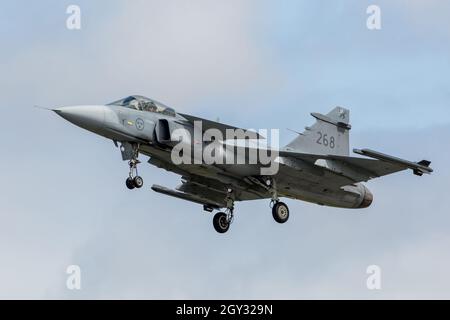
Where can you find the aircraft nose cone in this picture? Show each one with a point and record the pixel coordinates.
(91, 118)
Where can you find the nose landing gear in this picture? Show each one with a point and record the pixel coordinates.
(134, 180)
(131, 152)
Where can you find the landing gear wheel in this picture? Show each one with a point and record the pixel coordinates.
(130, 183)
(280, 212)
(221, 223)
(131, 152)
(138, 182)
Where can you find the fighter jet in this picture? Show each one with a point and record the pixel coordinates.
(315, 167)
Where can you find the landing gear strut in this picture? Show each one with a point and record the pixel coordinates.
(280, 210)
(134, 180)
(223, 220)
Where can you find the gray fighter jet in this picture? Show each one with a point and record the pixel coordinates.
(315, 167)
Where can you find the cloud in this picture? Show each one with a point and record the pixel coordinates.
(64, 199)
(182, 50)
(174, 51)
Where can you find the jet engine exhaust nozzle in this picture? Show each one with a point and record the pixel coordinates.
(367, 199)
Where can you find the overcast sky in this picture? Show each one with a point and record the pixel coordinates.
(258, 64)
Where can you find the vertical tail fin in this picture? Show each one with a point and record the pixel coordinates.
(329, 134)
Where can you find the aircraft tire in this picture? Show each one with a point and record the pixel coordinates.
(138, 182)
(221, 223)
(280, 212)
(130, 183)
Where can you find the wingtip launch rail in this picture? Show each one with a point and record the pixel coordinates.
(419, 168)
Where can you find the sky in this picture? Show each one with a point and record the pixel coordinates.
(254, 64)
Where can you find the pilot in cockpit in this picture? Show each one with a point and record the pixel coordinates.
(134, 104)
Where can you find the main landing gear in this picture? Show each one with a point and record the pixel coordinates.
(223, 220)
(280, 211)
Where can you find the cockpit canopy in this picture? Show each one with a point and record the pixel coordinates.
(144, 104)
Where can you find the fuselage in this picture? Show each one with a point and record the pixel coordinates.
(151, 126)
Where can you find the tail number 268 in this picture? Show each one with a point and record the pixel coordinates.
(326, 140)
